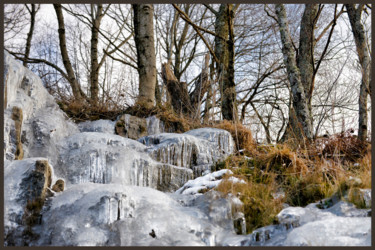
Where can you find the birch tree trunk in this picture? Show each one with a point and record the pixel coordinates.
(94, 74)
(300, 104)
(144, 40)
(365, 61)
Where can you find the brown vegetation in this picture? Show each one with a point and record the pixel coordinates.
(303, 177)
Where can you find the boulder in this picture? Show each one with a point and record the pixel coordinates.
(131, 127)
(58, 186)
(26, 182)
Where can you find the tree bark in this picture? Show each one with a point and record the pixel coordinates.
(76, 89)
(32, 12)
(224, 51)
(305, 58)
(94, 74)
(298, 93)
(183, 102)
(365, 61)
(305, 63)
(144, 40)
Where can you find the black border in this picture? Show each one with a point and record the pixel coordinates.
(166, 2)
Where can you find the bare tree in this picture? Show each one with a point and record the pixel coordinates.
(32, 11)
(300, 104)
(144, 40)
(354, 14)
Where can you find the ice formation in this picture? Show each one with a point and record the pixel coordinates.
(106, 158)
(196, 149)
(43, 124)
(103, 126)
(114, 214)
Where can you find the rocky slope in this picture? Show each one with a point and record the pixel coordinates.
(85, 185)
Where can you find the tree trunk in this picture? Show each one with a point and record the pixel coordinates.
(94, 74)
(30, 34)
(144, 40)
(305, 64)
(76, 89)
(182, 102)
(224, 51)
(305, 59)
(365, 61)
(298, 93)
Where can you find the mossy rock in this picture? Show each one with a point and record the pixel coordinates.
(58, 186)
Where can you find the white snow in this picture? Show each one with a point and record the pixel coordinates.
(205, 182)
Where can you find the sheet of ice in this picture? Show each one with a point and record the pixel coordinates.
(220, 137)
(106, 158)
(198, 150)
(103, 126)
(154, 125)
(95, 215)
(43, 125)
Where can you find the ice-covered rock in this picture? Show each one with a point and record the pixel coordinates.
(103, 126)
(43, 123)
(340, 225)
(113, 214)
(196, 149)
(106, 158)
(221, 138)
(25, 181)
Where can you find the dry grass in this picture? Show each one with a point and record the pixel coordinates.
(242, 136)
(259, 205)
(83, 111)
(303, 176)
(344, 147)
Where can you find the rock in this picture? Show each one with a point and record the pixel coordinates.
(131, 127)
(58, 186)
(26, 182)
(17, 118)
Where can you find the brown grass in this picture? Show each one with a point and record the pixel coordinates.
(83, 111)
(259, 206)
(242, 136)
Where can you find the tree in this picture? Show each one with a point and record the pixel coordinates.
(224, 51)
(76, 88)
(354, 14)
(144, 40)
(34, 9)
(300, 102)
